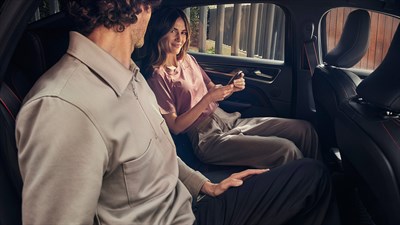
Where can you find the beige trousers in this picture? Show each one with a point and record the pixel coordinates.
(261, 142)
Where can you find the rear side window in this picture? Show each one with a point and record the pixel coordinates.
(254, 30)
(382, 30)
(46, 8)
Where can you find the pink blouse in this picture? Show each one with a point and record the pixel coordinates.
(181, 89)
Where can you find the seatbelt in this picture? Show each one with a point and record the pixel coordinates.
(310, 52)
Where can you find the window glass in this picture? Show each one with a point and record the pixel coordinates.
(46, 8)
(245, 30)
(382, 30)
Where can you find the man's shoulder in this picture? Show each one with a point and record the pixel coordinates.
(59, 91)
(58, 80)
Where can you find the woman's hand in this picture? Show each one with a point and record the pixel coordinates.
(219, 92)
(234, 180)
(239, 84)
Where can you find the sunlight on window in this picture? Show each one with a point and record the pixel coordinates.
(243, 30)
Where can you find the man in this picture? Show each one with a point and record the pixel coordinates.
(93, 147)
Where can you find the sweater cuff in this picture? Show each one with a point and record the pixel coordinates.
(197, 181)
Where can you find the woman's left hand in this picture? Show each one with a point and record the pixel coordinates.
(239, 84)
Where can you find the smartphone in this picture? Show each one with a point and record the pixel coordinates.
(234, 77)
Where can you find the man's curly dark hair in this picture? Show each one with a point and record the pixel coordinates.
(116, 14)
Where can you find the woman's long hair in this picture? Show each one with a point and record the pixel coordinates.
(161, 22)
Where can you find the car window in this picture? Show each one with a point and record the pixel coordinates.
(254, 30)
(381, 34)
(46, 8)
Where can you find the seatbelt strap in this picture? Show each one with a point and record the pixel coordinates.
(311, 54)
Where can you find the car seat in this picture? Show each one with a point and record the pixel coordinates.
(368, 134)
(38, 49)
(332, 83)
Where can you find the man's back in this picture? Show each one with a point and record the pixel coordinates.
(95, 113)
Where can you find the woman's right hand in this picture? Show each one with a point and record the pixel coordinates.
(178, 124)
(219, 92)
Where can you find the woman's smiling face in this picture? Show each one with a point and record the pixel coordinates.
(176, 37)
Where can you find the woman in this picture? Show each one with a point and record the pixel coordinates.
(188, 101)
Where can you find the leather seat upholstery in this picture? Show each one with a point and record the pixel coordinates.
(368, 132)
(10, 178)
(332, 82)
(37, 50)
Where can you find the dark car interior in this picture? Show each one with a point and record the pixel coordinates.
(356, 114)
(368, 129)
(333, 83)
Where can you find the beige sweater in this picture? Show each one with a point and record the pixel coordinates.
(93, 147)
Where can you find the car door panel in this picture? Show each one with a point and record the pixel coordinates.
(268, 89)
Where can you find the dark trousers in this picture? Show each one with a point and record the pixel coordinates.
(297, 193)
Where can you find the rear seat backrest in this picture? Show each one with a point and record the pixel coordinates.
(37, 51)
(10, 105)
(10, 179)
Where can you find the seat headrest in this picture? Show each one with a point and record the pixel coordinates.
(353, 43)
(382, 87)
(38, 50)
(42, 45)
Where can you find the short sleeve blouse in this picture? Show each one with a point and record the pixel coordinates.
(181, 89)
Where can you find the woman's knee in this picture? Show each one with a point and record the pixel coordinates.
(289, 150)
(304, 126)
(305, 130)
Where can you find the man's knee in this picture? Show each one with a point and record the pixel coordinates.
(311, 168)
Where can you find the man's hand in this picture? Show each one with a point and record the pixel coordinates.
(234, 180)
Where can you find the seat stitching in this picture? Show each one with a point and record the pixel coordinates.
(5, 105)
(393, 139)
